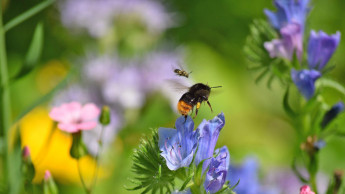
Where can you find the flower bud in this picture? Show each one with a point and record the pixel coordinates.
(332, 114)
(26, 154)
(78, 148)
(305, 189)
(27, 168)
(47, 175)
(104, 118)
(49, 186)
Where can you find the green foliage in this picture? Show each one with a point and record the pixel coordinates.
(260, 61)
(78, 148)
(33, 54)
(151, 172)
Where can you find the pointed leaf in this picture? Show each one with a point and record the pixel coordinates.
(34, 53)
(286, 105)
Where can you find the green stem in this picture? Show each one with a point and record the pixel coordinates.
(28, 14)
(5, 103)
(99, 152)
(78, 164)
(82, 179)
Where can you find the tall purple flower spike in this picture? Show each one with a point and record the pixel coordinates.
(305, 81)
(178, 145)
(208, 134)
(288, 11)
(321, 48)
(216, 174)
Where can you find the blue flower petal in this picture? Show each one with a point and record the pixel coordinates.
(178, 145)
(305, 80)
(321, 48)
(288, 11)
(218, 167)
(208, 135)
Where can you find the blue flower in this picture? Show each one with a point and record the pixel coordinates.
(248, 176)
(289, 20)
(321, 48)
(216, 174)
(288, 11)
(304, 80)
(178, 145)
(332, 113)
(208, 133)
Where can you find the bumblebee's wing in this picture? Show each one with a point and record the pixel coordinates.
(177, 85)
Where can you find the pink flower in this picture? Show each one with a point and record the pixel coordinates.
(305, 189)
(73, 117)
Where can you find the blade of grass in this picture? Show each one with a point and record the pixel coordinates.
(28, 14)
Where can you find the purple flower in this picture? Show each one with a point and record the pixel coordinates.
(321, 48)
(208, 134)
(332, 113)
(216, 174)
(178, 145)
(290, 21)
(288, 11)
(291, 41)
(304, 80)
(98, 16)
(248, 176)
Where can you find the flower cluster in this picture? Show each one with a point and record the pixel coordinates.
(290, 20)
(98, 16)
(184, 147)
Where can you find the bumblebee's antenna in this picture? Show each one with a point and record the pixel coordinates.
(216, 87)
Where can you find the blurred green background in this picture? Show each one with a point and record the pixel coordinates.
(213, 34)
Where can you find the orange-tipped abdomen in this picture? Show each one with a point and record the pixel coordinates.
(183, 108)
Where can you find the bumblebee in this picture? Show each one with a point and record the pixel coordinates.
(182, 72)
(196, 94)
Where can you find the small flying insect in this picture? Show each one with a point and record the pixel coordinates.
(181, 72)
(196, 94)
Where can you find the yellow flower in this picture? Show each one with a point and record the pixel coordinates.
(50, 148)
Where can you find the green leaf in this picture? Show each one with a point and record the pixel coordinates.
(199, 178)
(183, 187)
(233, 187)
(149, 167)
(27, 14)
(258, 56)
(331, 84)
(34, 53)
(286, 105)
(297, 173)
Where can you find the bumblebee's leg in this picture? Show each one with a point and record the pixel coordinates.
(209, 105)
(196, 109)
